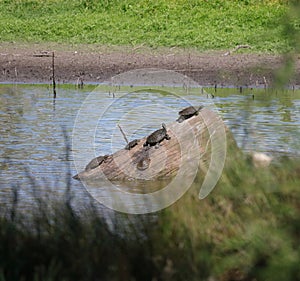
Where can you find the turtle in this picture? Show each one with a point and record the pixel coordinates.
(95, 162)
(143, 160)
(143, 164)
(157, 137)
(132, 144)
(188, 112)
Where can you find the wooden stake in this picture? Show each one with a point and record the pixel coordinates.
(53, 77)
(265, 82)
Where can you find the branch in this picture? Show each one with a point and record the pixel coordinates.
(237, 48)
(125, 138)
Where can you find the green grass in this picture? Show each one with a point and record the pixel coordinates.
(204, 25)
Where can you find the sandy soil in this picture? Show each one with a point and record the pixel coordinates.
(23, 63)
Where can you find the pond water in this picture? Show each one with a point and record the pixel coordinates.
(35, 128)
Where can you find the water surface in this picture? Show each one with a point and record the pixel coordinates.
(34, 126)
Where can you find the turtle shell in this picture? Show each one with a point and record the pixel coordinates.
(132, 144)
(95, 163)
(191, 110)
(143, 164)
(157, 136)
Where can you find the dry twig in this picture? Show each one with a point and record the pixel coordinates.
(237, 48)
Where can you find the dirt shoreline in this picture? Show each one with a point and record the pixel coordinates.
(23, 63)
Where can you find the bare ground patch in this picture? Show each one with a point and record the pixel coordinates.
(98, 63)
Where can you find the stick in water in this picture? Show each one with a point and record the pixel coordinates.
(125, 138)
(53, 77)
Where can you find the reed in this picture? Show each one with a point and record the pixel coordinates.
(247, 229)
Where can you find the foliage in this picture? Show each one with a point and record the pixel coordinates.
(204, 25)
(291, 33)
(247, 229)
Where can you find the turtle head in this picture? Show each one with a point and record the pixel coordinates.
(164, 126)
(199, 108)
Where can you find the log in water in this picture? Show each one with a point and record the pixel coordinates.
(194, 144)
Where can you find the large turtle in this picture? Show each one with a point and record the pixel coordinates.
(188, 112)
(132, 144)
(157, 137)
(95, 162)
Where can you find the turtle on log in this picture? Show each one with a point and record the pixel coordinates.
(188, 112)
(157, 137)
(95, 162)
(132, 144)
(143, 164)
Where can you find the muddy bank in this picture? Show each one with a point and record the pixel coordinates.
(22, 63)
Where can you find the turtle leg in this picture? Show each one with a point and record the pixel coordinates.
(147, 147)
(180, 119)
(157, 145)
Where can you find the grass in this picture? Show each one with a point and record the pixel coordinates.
(204, 25)
(247, 229)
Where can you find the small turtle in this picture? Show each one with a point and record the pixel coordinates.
(132, 144)
(143, 164)
(188, 112)
(157, 137)
(95, 162)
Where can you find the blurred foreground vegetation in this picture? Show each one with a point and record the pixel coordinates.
(204, 25)
(248, 228)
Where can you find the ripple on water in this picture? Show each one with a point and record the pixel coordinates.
(31, 128)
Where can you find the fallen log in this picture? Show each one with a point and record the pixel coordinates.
(198, 143)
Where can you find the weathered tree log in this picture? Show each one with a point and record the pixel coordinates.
(196, 142)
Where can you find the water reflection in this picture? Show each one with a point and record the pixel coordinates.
(269, 123)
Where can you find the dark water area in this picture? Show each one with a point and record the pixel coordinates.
(34, 126)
